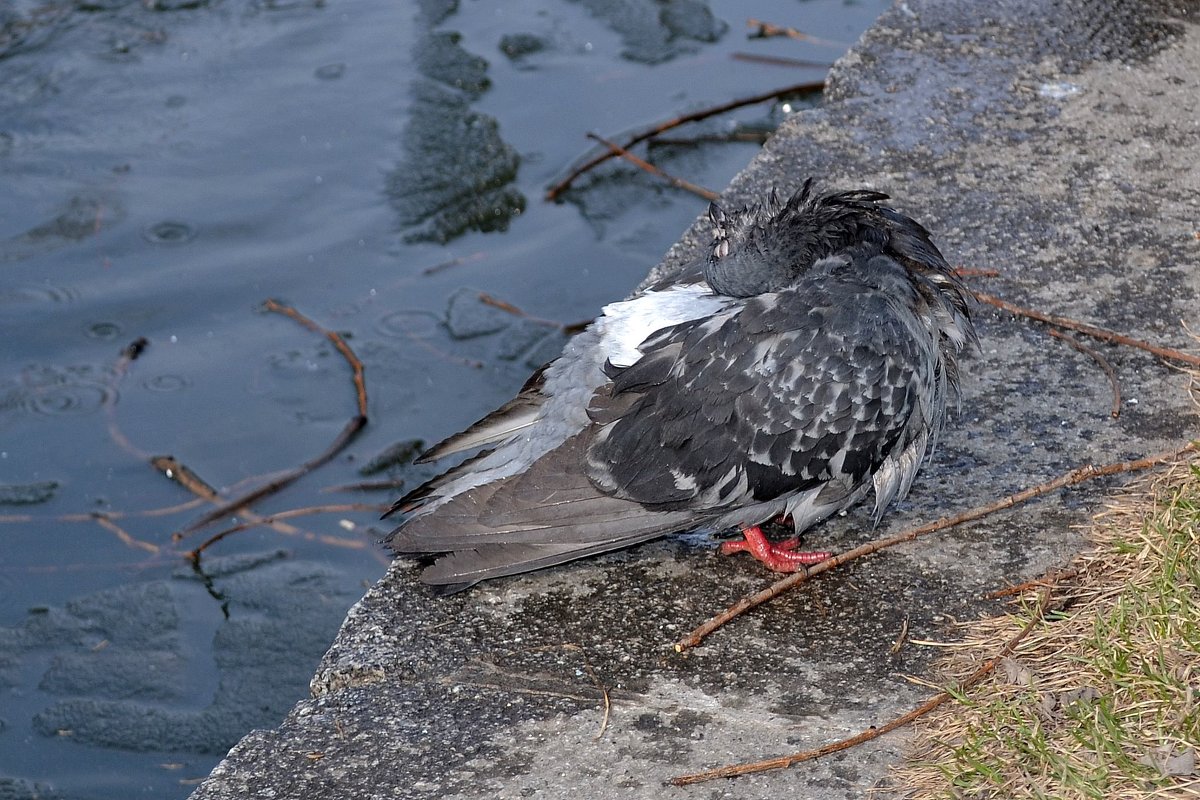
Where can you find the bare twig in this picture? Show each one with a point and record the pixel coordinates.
(1104, 365)
(367, 486)
(507, 307)
(678, 183)
(874, 732)
(809, 87)
(108, 525)
(755, 137)
(898, 645)
(767, 30)
(1071, 478)
(344, 438)
(129, 354)
(453, 262)
(780, 61)
(1090, 330)
(339, 541)
(185, 477)
(356, 366)
(351, 429)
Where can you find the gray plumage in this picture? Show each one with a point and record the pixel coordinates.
(811, 366)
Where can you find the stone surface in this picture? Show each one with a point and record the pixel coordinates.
(1056, 142)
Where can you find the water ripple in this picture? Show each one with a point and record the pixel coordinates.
(55, 391)
(166, 383)
(410, 324)
(169, 232)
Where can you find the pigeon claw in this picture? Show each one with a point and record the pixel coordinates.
(777, 556)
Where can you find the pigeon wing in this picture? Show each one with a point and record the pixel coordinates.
(814, 384)
(547, 514)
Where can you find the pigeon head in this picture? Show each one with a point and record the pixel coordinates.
(766, 246)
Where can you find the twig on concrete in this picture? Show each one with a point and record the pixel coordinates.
(1104, 365)
(1071, 478)
(809, 87)
(678, 183)
(587, 665)
(1090, 330)
(875, 732)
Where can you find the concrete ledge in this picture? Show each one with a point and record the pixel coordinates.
(1057, 142)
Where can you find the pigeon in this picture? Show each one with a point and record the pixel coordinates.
(805, 362)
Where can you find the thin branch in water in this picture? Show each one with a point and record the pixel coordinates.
(875, 732)
(351, 429)
(1113, 381)
(129, 354)
(1091, 330)
(453, 262)
(780, 61)
(1071, 478)
(504, 305)
(183, 475)
(112, 527)
(344, 438)
(678, 183)
(188, 479)
(752, 136)
(367, 486)
(809, 87)
(274, 520)
(767, 30)
(356, 366)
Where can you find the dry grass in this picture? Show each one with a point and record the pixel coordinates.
(1102, 700)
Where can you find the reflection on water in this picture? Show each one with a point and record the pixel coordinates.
(167, 167)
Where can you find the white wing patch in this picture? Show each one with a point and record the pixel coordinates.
(627, 324)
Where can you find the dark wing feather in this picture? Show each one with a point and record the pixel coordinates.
(547, 514)
(516, 414)
(812, 384)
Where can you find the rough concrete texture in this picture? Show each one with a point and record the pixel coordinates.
(1057, 142)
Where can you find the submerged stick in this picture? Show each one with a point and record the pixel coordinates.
(678, 183)
(351, 429)
(356, 366)
(344, 438)
(809, 87)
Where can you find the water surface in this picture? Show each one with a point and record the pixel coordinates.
(168, 166)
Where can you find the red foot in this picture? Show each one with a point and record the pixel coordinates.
(777, 556)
